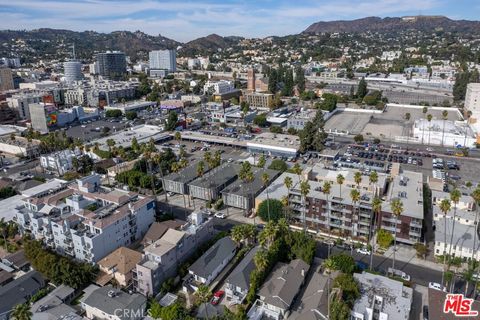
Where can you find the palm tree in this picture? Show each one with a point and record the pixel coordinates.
(207, 157)
(200, 168)
(424, 111)
(237, 234)
(288, 184)
(429, 118)
(282, 227)
(246, 175)
(269, 234)
(304, 191)
(297, 170)
(261, 259)
(340, 181)
(265, 180)
(326, 189)
(376, 209)
(261, 162)
(455, 198)
(177, 136)
(21, 312)
(355, 196)
(445, 207)
(468, 277)
(357, 177)
(397, 210)
(373, 179)
(444, 117)
(203, 295)
(4, 231)
(476, 198)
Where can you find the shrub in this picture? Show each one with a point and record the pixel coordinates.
(384, 238)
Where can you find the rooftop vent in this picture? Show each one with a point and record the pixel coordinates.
(111, 294)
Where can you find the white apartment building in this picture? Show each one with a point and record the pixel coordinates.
(84, 220)
(59, 162)
(161, 258)
(163, 60)
(218, 87)
(19, 103)
(462, 244)
(472, 100)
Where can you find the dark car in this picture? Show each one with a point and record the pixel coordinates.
(425, 312)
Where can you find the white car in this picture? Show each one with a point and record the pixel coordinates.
(220, 215)
(170, 194)
(363, 251)
(436, 286)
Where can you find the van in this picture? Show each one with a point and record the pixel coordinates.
(398, 273)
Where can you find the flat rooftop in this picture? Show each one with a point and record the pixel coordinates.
(218, 176)
(53, 184)
(186, 174)
(142, 133)
(276, 141)
(463, 235)
(240, 188)
(408, 187)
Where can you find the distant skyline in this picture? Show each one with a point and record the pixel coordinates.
(187, 20)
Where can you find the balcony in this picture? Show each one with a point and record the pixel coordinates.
(388, 228)
(415, 224)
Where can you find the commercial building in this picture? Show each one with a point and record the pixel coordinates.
(132, 106)
(218, 87)
(162, 257)
(72, 71)
(242, 195)
(6, 79)
(112, 65)
(143, 133)
(119, 265)
(206, 268)
(21, 146)
(208, 186)
(238, 282)
(163, 60)
(462, 241)
(81, 96)
(84, 220)
(109, 303)
(277, 294)
(59, 162)
(11, 62)
(445, 133)
(272, 144)
(258, 100)
(298, 120)
(231, 115)
(381, 298)
(472, 100)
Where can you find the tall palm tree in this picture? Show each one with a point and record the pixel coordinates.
(288, 184)
(246, 175)
(429, 119)
(261, 161)
(297, 170)
(340, 181)
(326, 189)
(269, 234)
(200, 168)
(476, 198)
(444, 117)
(397, 210)
(468, 277)
(207, 157)
(21, 312)
(373, 179)
(203, 295)
(265, 180)
(355, 197)
(376, 209)
(304, 191)
(445, 207)
(357, 177)
(455, 198)
(261, 259)
(424, 111)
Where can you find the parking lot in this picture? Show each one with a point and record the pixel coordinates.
(89, 131)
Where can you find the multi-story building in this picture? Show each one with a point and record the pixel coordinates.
(86, 221)
(472, 101)
(208, 186)
(20, 103)
(6, 79)
(43, 116)
(259, 100)
(383, 297)
(218, 87)
(60, 161)
(163, 60)
(11, 62)
(298, 120)
(162, 257)
(72, 71)
(177, 182)
(112, 65)
(465, 227)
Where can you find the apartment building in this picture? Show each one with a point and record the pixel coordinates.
(258, 100)
(84, 220)
(208, 186)
(161, 258)
(60, 161)
(462, 245)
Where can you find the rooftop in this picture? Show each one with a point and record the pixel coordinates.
(213, 257)
(166, 243)
(158, 229)
(122, 260)
(239, 187)
(240, 276)
(462, 237)
(108, 299)
(142, 133)
(19, 290)
(391, 297)
(187, 174)
(218, 176)
(275, 141)
(408, 187)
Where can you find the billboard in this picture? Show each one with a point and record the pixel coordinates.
(51, 115)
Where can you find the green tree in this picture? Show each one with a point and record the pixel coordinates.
(131, 115)
(358, 138)
(349, 286)
(445, 207)
(339, 310)
(384, 238)
(340, 181)
(261, 259)
(21, 312)
(171, 121)
(329, 102)
(260, 120)
(278, 164)
(455, 195)
(304, 191)
(362, 89)
(300, 79)
(113, 113)
(397, 210)
(274, 206)
(203, 295)
(342, 262)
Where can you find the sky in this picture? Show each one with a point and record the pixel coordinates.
(188, 20)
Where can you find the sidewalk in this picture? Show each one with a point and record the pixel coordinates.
(409, 255)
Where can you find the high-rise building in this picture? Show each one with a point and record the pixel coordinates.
(6, 79)
(251, 80)
(112, 65)
(163, 60)
(472, 101)
(43, 116)
(72, 71)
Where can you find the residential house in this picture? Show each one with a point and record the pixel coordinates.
(238, 282)
(206, 268)
(158, 229)
(119, 265)
(56, 305)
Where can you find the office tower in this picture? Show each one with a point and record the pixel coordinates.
(43, 116)
(6, 79)
(163, 60)
(112, 65)
(72, 71)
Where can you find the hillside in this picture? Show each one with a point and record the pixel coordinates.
(209, 44)
(376, 24)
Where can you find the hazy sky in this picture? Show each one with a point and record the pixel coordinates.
(187, 20)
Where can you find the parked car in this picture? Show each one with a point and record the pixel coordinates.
(398, 273)
(364, 251)
(436, 286)
(220, 215)
(217, 296)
